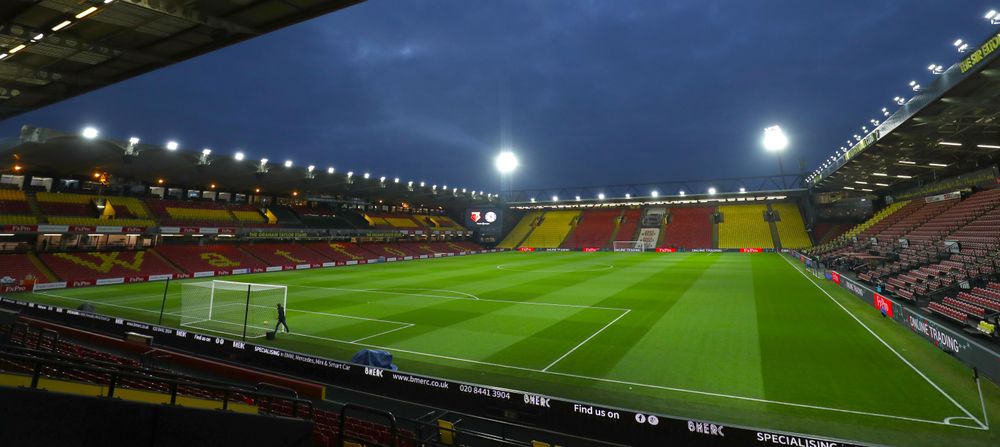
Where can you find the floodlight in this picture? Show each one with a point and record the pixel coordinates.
(422, 184)
(238, 156)
(655, 194)
(577, 198)
(206, 151)
(133, 141)
(532, 200)
(991, 14)
(409, 184)
(381, 179)
(172, 145)
(263, 161)
(600, 196)
(288, 163)
(86, 12)
(682, 193)
(775, 139)
(463, 190)
(366, 176)
(311, 168)
(90, 133)
(61, 25)
(350, 174)
(506, 162)
(958, 43)
(628, 196)
(555, 198)
(712, 190)
(396, 180)
(743, 190)
(329, 170)
(444, 187)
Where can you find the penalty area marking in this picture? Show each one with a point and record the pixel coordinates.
(590, 378)
(968, 415)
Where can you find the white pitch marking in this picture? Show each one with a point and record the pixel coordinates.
(601, 269)
(585, 341)
(534, 303)
(382, 333)
(870, 331)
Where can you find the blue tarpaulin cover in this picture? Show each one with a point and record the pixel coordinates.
(374, 357)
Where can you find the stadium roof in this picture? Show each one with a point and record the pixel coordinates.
(50, 153)
(51, 50)
(949, 128)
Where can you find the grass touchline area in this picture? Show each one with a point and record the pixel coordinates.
(735, 338)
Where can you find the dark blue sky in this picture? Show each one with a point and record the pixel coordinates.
(587, 92)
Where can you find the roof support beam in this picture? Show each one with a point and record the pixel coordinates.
(66, 40)
(190, 14)
(19, 73)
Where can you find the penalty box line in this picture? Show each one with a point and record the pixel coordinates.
(968, 415)
(582, 377)
(585, 341)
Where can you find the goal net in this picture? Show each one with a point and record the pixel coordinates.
(630, 245)
(233, 308)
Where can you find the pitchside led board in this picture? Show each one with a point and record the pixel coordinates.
(487, 223)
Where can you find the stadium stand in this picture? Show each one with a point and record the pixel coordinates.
(629, 224)
(791, 229)
(744, 226)
(177, 212)
(283, 254)
(248, 214)
(285, 215)
(824, 232)
(340, 251)
(20, 268)
(324, 218)
(15, 209)
(442, 223)
(394, 250)
(80, 209)
(552, 229)
(521, 230)
(393, 221)
(594, 229)
(82, 266)
(688, 228)
(201, 258)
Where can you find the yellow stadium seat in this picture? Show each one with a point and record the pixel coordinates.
(249, 216)
(520, 230)
(93, 222)
(743, 226)
(10, 219)
(198, 214)
(554, 228)
(791, 228)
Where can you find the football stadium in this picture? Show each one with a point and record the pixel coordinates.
(155, 294)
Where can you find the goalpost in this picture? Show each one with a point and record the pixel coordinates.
(630, 245)
(235, 308)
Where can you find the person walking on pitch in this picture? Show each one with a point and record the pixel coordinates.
(281, 319)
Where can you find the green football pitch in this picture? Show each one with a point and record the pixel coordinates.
(743, 339)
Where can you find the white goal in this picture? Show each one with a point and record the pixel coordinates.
(240, 309)
(630, 245)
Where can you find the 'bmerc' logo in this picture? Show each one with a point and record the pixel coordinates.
(706, 429)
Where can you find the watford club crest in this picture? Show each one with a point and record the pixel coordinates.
(476, 215)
